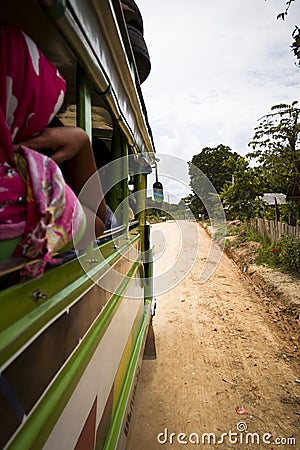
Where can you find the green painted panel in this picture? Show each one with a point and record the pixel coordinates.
(21, 317)
(40, 423)
(118, 419)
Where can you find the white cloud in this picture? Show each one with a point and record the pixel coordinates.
(217, 66)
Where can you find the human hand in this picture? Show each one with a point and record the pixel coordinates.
(65, 142)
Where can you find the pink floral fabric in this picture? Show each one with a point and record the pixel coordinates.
(35, 202)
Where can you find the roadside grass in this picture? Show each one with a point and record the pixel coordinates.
(241, 234)
(283, 255)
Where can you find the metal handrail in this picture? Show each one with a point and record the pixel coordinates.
(12, 264)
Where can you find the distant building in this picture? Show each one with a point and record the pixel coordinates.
(272, 200)
(269, 198)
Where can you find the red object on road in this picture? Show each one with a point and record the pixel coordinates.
(241, 410)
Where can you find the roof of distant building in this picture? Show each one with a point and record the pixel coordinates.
(269, 198)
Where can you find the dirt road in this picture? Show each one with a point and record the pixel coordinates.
(217, 350)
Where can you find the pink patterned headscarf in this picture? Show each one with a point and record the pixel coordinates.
(35, 202)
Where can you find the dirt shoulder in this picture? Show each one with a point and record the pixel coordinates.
(220, 347)
(279, 291)
(283, 286)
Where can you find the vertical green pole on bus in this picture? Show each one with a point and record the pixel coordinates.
(145, 234)
(119, 192)
(141, 204)
(125, 167)
(136, 184)
(83, 102)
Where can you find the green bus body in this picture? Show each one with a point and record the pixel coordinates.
(72, 341)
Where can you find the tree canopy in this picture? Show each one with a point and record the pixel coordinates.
(295, 34)
(240, 185)
(276, 146)
(242, 196)
(216, 163)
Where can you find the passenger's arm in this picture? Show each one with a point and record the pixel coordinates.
(72, 146)
(65, 142)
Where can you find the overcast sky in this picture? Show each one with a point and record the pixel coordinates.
(217, 66)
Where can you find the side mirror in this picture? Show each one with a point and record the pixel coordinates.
(158, 192)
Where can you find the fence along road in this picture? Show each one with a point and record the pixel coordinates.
(275, 230)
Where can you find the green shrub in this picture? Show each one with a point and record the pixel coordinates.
(266, 256)
(248, 234)
(286, 253)
(233, 230)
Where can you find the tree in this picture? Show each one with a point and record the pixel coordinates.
(241, 197)
(193, 202)
(276, 145)
(283, 14)
(216, 163)
(296, 44)
(296, 32)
